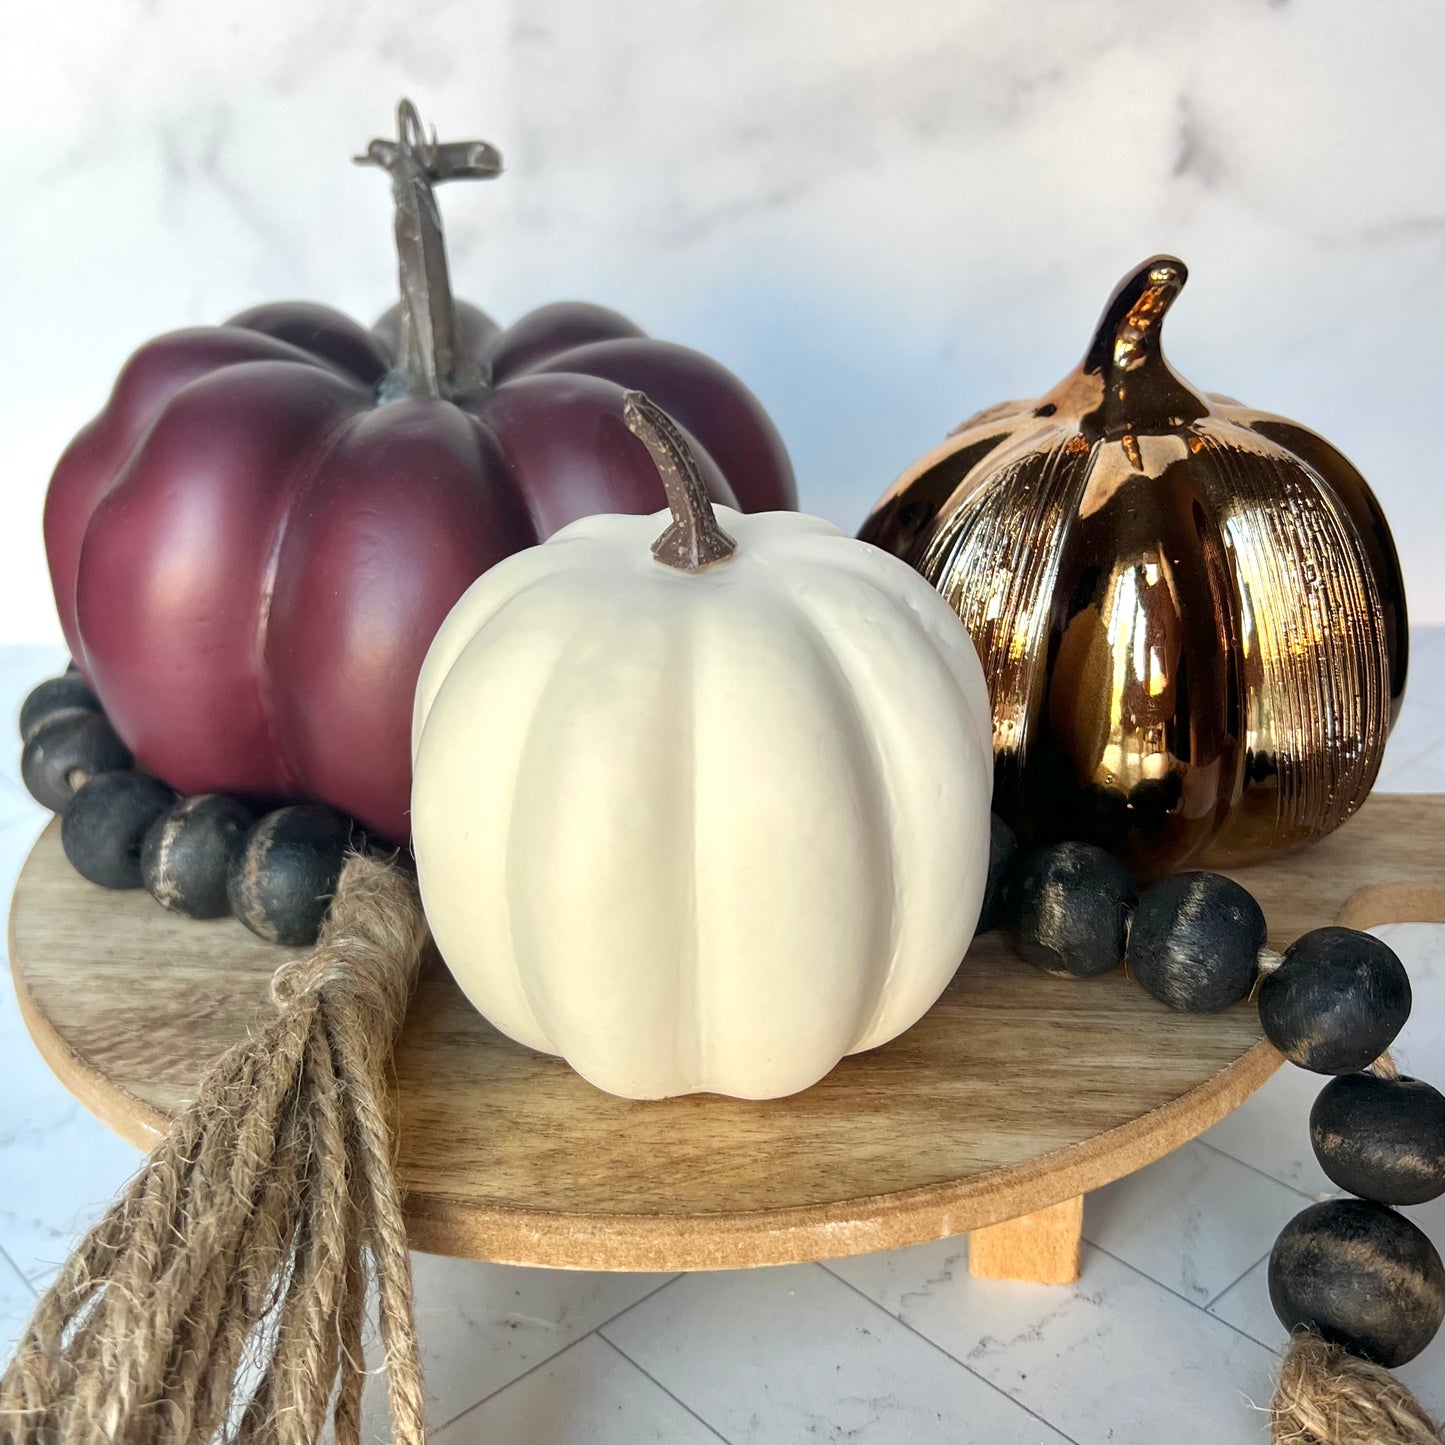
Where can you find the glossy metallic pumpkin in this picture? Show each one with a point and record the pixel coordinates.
(1190, 614)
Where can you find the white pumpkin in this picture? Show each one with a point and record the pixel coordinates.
(705, 820)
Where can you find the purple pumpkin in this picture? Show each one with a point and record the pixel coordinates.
(254, 543)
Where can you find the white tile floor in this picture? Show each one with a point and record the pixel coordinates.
(1168, 1335)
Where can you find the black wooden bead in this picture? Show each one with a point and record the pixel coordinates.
(1362, 1276)
(67, 693)
(282, 877)
(1195, 940)
(1068, 909)
(1336, 1001)
(1002, 846)
(65, 751)
(186, 855)
(105, 823)
(1383, 1139)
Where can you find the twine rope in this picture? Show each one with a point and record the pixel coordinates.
(1327, 1396)
(223, 1294)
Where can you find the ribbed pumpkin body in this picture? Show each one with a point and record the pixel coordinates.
(1190, 613)
(704, 831)
(252, 546)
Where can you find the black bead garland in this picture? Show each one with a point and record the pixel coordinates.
(1353, 1270)
(1068, 909)
(281, 879)
(1195, 940)
(1002, 847)
(1361, 1276)
(102, 829)
(64, 750)
(68, 693)
(1336, 1001)
(1381, 1138)
(187, 854)
(124, 829)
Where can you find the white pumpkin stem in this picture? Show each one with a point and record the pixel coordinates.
(434, 360)
(694, 540)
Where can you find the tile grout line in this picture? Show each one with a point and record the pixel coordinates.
(1395, 771)
(1255, 1169)
(947, 1354)
(651, 1294)
(547, 1359)
(530, 1370)
(1276, 1350)
(1193, 1304)
(19, 1273)
(1412, 759)
(1210, 1306)
(617, 1349)
(1213, 1299)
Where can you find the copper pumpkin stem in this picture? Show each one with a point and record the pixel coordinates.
(434, 360)
(694, 540)
(1141, 389)
(1132, 320)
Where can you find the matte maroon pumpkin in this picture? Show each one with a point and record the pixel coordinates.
(254, 543)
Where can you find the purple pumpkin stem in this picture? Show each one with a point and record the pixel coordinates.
(434, 361)
(694, 540)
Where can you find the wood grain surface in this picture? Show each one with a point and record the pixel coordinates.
(1042, 1248)
(1018, 1091)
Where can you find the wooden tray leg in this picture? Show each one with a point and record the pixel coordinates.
(1040, 1248)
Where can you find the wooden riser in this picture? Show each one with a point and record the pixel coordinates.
(1017, 1092)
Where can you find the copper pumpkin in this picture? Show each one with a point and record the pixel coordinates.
(1190, 613)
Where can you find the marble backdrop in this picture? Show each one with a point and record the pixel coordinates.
(884, 214)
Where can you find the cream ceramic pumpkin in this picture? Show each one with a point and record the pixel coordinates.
(700, 816)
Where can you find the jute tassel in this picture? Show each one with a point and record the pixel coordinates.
(242, 1249)
(1327, 1396)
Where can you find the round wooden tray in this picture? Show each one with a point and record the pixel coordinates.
(1016, 1092)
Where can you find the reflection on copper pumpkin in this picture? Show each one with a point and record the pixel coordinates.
(1190, 613)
